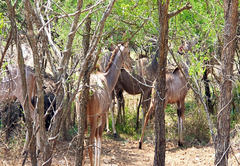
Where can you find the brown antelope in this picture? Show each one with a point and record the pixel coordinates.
(144, 75)
(176, 91)
(102, 85)
(11, 89)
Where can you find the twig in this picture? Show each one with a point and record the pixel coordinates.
(66, 160)
(223, 154)
(224, 106)
(6, 48)
(47, 160)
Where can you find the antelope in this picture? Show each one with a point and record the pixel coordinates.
(11, 89)
(101, 86)
(176, 92)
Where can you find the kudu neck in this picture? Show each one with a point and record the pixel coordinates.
(114, 71)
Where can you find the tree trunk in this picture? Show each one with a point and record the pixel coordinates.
(81, 113)
(222, 143)
(32, 145)
(164, 16)
(66, 123)
(160, 144)
(40, 121)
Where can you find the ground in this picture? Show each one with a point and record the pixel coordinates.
(119, 153)
(124, 150)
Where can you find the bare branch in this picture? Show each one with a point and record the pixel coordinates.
(145, 21)
(6, 48)
(174, 13)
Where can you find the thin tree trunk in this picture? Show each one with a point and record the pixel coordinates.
(160, 142)
(61, 104)
(32, 144)
(81, 113)
(222, 143)
(44, 143)
(65, 123)
(164, 16)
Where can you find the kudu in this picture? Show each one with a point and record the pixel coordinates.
(101, 86)
(176, 91)
(11, 89)
(139, 81)
(102, 66)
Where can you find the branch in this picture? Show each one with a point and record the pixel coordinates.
(145, 21)
(71, 35)
(223, 155)
(174, 13)
(91, 50)
(6, 47)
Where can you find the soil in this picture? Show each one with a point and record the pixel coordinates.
(126, 152)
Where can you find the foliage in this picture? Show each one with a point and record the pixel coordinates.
(129, 126)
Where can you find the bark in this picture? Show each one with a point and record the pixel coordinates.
(222, 143)
(44, 143)
(66, 122)
(81, 114)
(32, 144)
(160, 142)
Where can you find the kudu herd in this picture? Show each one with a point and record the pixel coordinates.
(136, 81)
(102, 84)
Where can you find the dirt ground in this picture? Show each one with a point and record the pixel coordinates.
(119, 153)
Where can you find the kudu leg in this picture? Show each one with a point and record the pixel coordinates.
(139, 104)
(107, 122)
(99, 141)
(146, 105)
(145, 124)
(84, 151)
(180, 113)
(93, 128)
(107, 119)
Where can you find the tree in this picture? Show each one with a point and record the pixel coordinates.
(222, 143)
(81, 113)
(164, 16)
(32, 145)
